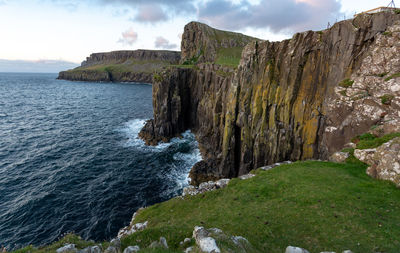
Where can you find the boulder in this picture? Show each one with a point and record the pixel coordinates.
(206, 243)
(365, 155)
(385, 163)
(291, 249)
(339, 157)
(132, 249)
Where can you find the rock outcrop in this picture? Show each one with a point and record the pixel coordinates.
(202, 43)
(289, 100)
(122, 66)
(384, 161)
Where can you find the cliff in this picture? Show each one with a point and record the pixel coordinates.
(302, 98)
(122, 66)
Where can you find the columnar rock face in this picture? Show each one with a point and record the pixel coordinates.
(285, 99)
(122, 66)
(139, 55)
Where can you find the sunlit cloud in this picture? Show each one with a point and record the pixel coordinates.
(129, 37)
(163, 43)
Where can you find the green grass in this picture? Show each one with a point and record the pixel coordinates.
(68, 239)
(387, 33)
(392, 76)
(229, 56)
(371, 141)
(346, 83)
(386, 99)
(315, 205)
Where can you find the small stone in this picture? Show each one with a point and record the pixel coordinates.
(208, 244)
(187, 240)
(291, 249)
(339, 157)
(247, 176)
(132, 249)
(111, 249)
(190, 190)
(67, 249)
(347, 251)
(116, 242)
(163, 242)
(96, 249)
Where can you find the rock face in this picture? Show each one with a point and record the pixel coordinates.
(122, 66)
(384, 161)
(201, 43)
(288, 100)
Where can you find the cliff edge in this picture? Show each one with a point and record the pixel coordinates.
(302, 98)
(122, 66)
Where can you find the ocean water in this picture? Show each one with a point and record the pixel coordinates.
(71, 159)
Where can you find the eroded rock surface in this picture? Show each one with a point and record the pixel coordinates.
(298, 99)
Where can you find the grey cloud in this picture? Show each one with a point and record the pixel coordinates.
(153, 11)
(129, 37)
(164, 43)
(278, 15)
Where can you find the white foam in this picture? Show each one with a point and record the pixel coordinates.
(179, 174)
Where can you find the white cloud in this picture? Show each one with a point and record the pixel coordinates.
(163, 43)
(129, 37)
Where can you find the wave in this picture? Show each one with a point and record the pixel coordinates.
(184, 151)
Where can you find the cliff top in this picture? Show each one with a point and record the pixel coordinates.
(202, 43)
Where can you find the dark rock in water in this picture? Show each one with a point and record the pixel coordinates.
(284, 101)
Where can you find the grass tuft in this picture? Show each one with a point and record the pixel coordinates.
(386, 99)
(346, 83)
(392, 76)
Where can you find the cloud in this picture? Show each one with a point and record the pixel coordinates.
(164, 43)
(129, 37)
(277, 15)
(153, 11)
(150, 13)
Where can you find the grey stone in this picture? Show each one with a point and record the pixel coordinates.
(163, 242)
(86, 250)
(116, 242)
(96, 249)
(187, 240)
(132, 249)
(247, 176)
(291, 249)
(67, 249)
(206, 243)
(347, 251)
(339, 157)
(111, 249)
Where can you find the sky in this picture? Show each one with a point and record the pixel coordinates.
(70, 30)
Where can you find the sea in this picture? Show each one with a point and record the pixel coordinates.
(71, 159)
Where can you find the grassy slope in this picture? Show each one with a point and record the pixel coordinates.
(128, 66)
(315, 205)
